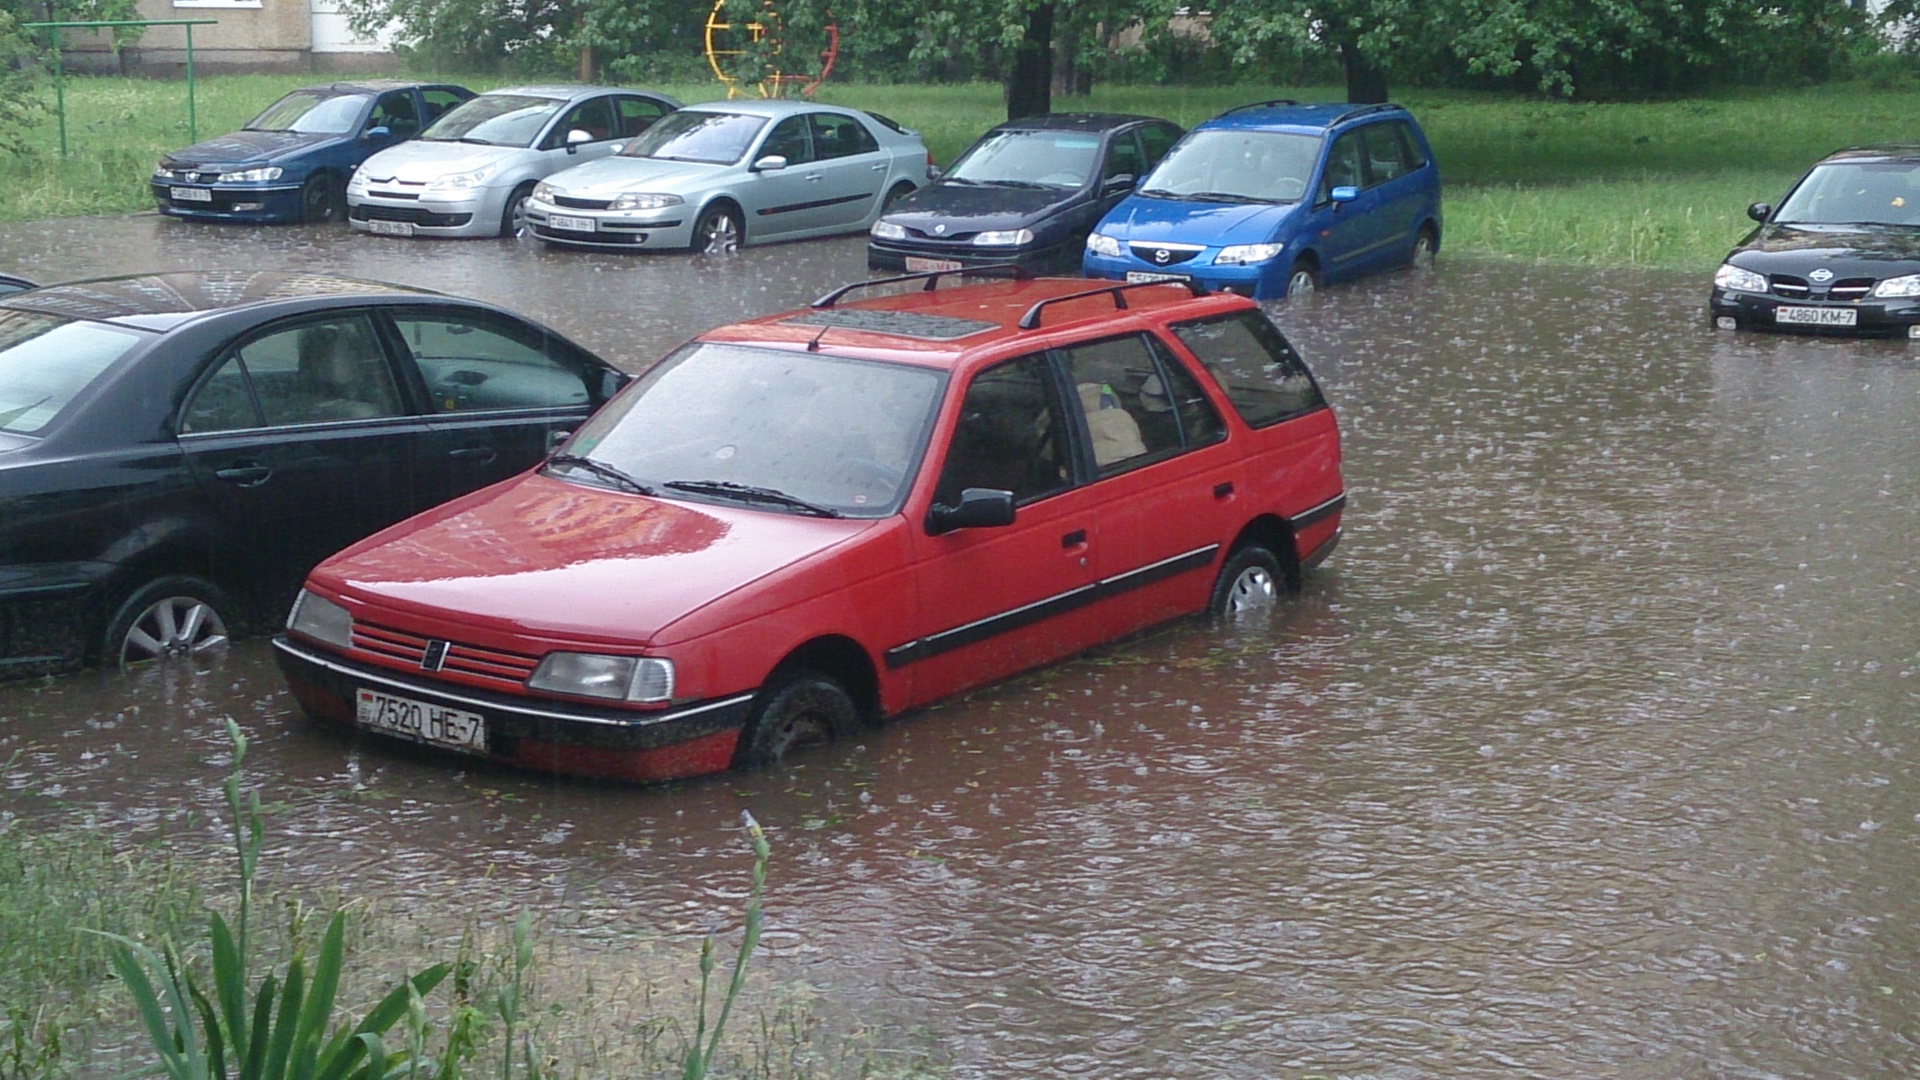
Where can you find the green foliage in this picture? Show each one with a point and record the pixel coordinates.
(54, 887)
(278, 1032)
(699, 1058)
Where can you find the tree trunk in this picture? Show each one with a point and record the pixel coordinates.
(589, 64)
(1366, 82)
(1030, 82)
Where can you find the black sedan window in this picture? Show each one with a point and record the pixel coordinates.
(46, 361)
(1052, 158)
(319, 371)
(469, 366)
(311, 113)
(1850, 193)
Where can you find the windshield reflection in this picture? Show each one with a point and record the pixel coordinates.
(783, 431)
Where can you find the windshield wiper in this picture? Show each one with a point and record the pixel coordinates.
(1220, 196)
(728, 488)
(1160, 193)
(474, 141)
(602, 470)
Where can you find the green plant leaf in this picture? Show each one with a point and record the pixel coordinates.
(229, 985)
(292, 993)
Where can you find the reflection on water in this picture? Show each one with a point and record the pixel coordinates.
(1592, 751)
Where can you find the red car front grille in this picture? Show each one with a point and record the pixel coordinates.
(507, 668)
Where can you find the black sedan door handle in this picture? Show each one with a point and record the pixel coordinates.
(248, 475)
(485, 455)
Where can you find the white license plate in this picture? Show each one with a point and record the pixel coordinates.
(390, 228)
(918, 264)
(190, 194)
(570, 223)
(435, 725)
(1137, 276)
(1816, 316)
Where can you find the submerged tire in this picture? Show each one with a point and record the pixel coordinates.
(513, 219)
(801, 710)
(718, 231)
(1302, 281)
(1248, 587)
(177, 617)
(320, 201)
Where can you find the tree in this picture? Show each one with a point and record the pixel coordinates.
(1558, 47)
(20, 101)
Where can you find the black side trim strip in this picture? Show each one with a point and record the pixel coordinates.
(1006, 622)
(814, 205)
(1319, 513)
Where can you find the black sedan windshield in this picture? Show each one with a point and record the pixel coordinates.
(715, 138)
(495, 120)
(771, 429)
(1856, 193)
(46, 361)
(312, 113)
(1053, 158)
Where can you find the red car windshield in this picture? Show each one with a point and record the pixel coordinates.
(722, 422)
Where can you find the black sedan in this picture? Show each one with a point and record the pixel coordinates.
(1841, 254)
(176, 450)
(1028, 192)
(292, 162)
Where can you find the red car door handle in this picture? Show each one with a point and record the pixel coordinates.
(1221, 491)
(247, 475)
(1074, 539)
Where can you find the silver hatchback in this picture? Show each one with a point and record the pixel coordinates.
(471, 171)
(713, 177)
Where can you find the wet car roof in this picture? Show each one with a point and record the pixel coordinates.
(160, 301)
(939, 327)
(1884, 152)
(1072, 122)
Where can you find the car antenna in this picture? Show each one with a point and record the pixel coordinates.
(814, 345)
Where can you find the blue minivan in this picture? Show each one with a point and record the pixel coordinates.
(1276, 199)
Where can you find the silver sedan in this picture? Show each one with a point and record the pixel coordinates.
(470, 173)
(713, 177)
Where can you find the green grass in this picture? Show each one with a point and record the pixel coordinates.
(1643, 184)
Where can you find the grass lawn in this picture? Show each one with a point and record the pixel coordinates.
(1656, 185)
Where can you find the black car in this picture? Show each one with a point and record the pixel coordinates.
(292, 162)
(177, 449)
(1027, 192)
(1841, 254)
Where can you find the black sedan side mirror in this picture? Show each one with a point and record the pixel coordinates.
(378, 133)
(979, 508)
(1119, 185)
(1760, 211)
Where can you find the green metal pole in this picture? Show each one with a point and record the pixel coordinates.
(59, 88)
(193, 130)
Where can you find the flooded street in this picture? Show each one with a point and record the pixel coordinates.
(1592, 752)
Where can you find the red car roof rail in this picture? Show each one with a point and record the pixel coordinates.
(1031, 319)
(931, 277)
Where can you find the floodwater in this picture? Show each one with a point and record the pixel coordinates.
(1592, 752)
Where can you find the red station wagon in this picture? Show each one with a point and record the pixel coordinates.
(797, 525)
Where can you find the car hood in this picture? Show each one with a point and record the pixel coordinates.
(970, 208)
(1846, 250)
(248, 147)
(552, 559)
(422, 161)
(1143, 220)
(610, 176)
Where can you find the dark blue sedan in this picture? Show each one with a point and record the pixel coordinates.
(292, 162)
